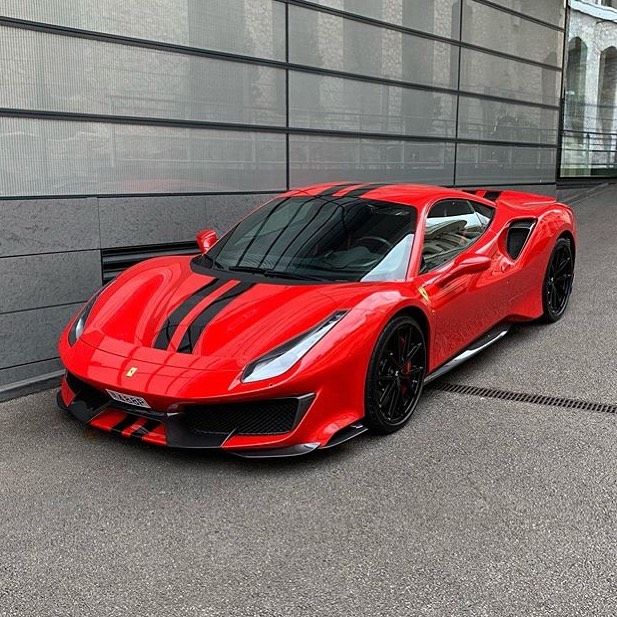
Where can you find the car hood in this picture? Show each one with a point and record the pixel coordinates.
(261, 315)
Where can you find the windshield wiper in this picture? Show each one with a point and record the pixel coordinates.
(276, 273)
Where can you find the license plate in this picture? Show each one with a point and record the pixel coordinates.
(128, 399)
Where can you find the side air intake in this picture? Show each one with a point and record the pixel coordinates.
(518, 234)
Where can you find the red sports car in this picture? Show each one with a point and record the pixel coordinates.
(318, 317)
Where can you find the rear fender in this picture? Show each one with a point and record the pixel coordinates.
(534, 259)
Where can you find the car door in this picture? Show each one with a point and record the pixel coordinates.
(460, 261)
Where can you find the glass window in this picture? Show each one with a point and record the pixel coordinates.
(48, 72)
(484, 73)
(58, 157)
(589, 137)
(493, 164)
(332, 42)
(251, 27)
(314, 237)
(326, 102)
(435, 16)
(550, 11)
(501, 121)
(451, 226)
(493, 28)
(320, 159)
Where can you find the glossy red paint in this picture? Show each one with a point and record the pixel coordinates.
(457, 302)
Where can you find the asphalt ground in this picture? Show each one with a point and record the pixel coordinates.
(478, 507)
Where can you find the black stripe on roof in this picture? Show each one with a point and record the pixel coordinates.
(365, 188)
(334, 189)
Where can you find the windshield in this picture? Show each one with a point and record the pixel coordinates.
(323, 238)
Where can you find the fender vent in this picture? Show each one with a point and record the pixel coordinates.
(492, 195)
(117, 260)
(522, 397)
(518, 234)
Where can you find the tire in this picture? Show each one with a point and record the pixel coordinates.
(395, 376)
(557, 284)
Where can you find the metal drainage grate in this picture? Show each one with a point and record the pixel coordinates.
(523, 397)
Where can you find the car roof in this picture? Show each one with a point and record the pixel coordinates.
(417, 195)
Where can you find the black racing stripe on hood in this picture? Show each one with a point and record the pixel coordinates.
(360, 191)
(195, 330)
(173, 321)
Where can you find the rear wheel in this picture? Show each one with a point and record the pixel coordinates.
(395, 375)
(558, 281)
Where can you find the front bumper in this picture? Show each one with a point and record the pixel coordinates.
(176, 429)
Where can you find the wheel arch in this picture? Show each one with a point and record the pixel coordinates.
(420, 316)
(568, 235)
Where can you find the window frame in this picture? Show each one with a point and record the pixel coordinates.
(473, 204)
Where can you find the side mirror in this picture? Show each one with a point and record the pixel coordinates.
(468, 265)
(206, 239)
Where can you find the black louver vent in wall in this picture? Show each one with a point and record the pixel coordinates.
(117, 260)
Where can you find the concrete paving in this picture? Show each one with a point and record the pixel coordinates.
(478, 507)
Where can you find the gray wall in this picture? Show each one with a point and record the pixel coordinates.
(137, 123)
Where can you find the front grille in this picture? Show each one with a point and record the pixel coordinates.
(271, 417)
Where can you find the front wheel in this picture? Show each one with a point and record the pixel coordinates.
(558, 281)
(395, 375)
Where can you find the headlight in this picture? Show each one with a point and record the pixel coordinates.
(283, 358)
(80, 323)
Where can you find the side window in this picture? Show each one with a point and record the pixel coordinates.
(451, 226)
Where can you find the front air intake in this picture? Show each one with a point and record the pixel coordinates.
(272, 417)
(90, 396)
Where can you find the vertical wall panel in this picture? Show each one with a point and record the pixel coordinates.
(42, 280)
(32, 226)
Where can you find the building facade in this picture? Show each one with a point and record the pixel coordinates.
(590, 111)
(127, 126)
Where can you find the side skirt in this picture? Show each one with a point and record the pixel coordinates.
(492, 336)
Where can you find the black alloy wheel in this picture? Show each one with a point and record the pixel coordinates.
(395, 375)
(558, 281)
